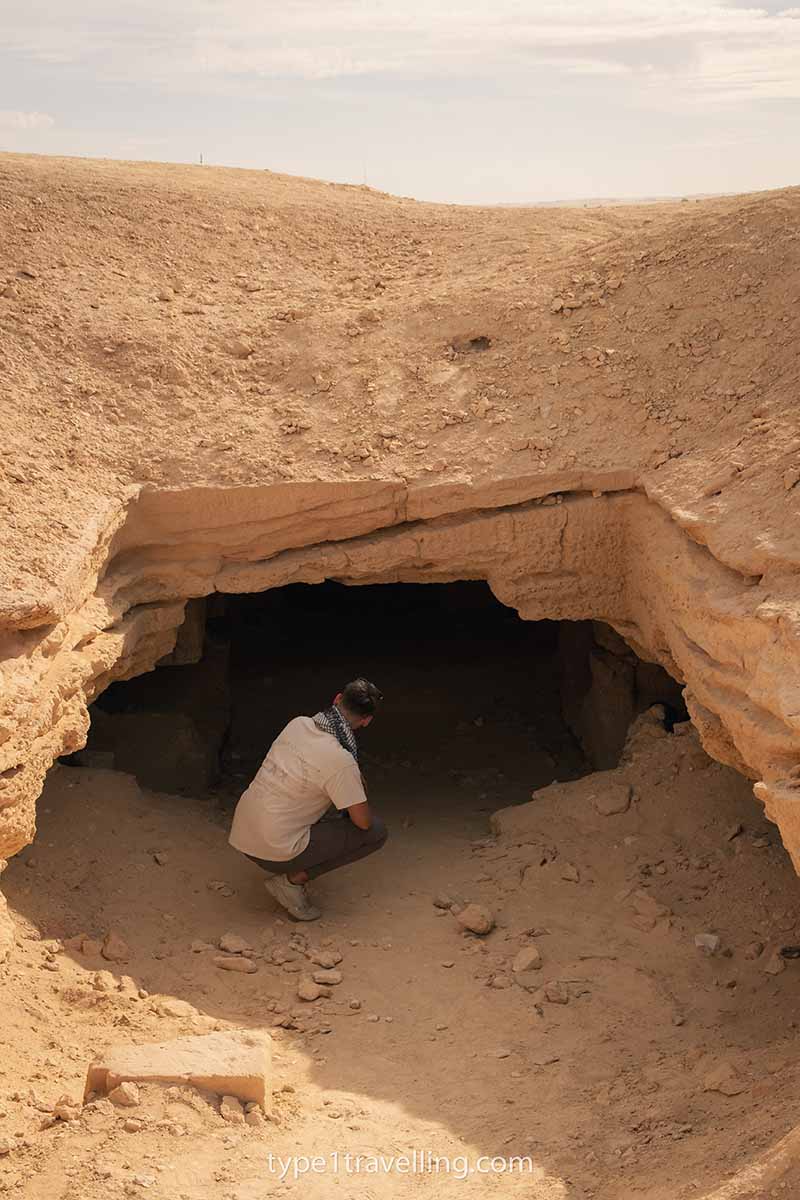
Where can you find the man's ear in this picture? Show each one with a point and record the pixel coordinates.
(337, 698)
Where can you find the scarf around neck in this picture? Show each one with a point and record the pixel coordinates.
(330, 720)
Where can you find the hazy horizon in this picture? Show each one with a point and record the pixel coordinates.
(525, 103)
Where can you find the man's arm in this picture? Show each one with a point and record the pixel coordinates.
(360, 815)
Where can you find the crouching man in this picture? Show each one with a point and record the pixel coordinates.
(284, 821)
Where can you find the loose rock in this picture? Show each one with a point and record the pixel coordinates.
(527, 962)
(125, 1095)
(707, 942)
(231, 1110)
(614, 798)
(331, 976)
(67, 1109)
(114, 949)
(325, 958)
(476, 919)
(104, 981)
(556, 992)
(231, 943)
(245, 966)
(309, 990)
(724, 1078)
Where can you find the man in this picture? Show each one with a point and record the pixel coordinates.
(282, 820)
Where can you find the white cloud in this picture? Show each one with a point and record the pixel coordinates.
(9, 119)
(728, 50)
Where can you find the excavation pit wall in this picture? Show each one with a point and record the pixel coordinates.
(585, 546)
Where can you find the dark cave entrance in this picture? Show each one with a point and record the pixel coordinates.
(493, 704)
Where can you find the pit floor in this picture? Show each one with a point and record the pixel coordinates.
(611, 1094)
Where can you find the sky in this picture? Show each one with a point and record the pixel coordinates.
(464, 101)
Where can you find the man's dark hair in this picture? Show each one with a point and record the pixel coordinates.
(361, 697)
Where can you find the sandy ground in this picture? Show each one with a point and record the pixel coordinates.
(607, 1093)
(176, 326)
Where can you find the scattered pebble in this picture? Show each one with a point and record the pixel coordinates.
(231, 1110)
(709, 943)
(308, 989)
(324, 976)
(476, 919)
(231, 943)
(126, 1095)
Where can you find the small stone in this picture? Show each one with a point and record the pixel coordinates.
(67, 1109)
(373, 1017)
(7, 1144)
(570, 873)
(442, 900)
(613, 799)
(327, 959)
(238, 348)
(245, 966)
(774, 964)
(114, 949)
(221, 887)
(255, 1118)
(709, 943)
(500, 982)
(502, 1053)
(309, 991)
(104, 981)
(198, 947)
(133, 1125)
(724, 1078)
(754, 950)
(161, 857)
(231, 1110)
(556, 992)
(476, 919)
(231, 943)
(355, 1005)
(125, 1095)
(527, 959)
(448, 962)
(556, 304)
(331, 976)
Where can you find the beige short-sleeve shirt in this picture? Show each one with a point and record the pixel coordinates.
(304, 772)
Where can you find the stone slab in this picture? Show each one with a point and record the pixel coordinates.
(231, 1064)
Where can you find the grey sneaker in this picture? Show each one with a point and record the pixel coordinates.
(292, 897)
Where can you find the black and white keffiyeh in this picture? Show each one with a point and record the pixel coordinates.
(330, 720)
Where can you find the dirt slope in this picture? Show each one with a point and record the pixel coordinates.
(170, 325)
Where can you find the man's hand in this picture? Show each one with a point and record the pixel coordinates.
(360, 815)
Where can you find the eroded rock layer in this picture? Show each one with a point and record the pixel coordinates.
(603, 550)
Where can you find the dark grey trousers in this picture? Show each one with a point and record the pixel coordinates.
(333, 842)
